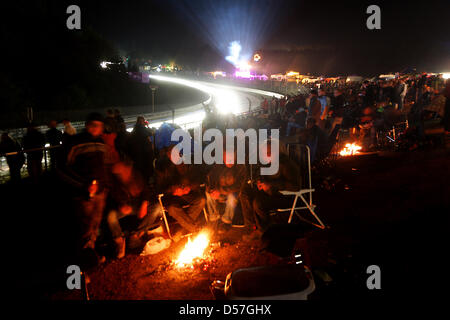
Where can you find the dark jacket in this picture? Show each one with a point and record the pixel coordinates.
(32, 140)
(53, 136)
(85, 161)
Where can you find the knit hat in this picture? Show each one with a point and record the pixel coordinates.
(94, 116)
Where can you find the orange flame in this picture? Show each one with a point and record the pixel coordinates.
(350, 149)
(193, 249)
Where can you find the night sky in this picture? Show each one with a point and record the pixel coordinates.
(320, 37)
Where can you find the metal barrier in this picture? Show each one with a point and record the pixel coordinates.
(26, 151)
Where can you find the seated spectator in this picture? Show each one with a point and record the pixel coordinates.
(129, 196)
(268, 197)
(224, 185)
(183, 198)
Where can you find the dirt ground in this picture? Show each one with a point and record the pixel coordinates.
(389, 209)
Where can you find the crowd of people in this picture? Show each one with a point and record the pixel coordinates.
(114, 174)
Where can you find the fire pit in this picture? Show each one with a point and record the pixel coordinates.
(197, 254)
(350, 149)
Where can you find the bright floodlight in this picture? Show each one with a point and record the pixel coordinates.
(446, 75)
(234, 51)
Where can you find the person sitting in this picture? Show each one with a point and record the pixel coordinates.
(180, 184)
(129, 196)
(224, 185)
(268, 197)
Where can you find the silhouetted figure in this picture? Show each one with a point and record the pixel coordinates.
(14, 161)
(34, 139)
(54, 138)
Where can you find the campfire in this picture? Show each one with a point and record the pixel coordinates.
(350, 149)
(194, 250)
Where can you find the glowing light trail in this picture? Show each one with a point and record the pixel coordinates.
(227, 99)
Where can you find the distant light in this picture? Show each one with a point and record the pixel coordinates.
(218, 73)
(256, 57)
(446, 75)
(234, 50)
(104, 64)
(47, 145)
(243, 71)
(292, 74)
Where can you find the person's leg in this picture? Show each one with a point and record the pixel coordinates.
(177, 212)
(196, 202)
(230, 208)
(14, 172)
(261, 204)
(211, 206)
(113, 223)
(246, 199)
(90, 214)
(116, 232)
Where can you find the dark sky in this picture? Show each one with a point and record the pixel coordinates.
(321, 37)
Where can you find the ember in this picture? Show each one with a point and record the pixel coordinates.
(193, 250)
(350, 149)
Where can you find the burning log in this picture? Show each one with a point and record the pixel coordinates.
(350, 149)
(194, 250)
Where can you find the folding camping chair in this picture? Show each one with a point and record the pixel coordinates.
(303, 191)
(164, 215)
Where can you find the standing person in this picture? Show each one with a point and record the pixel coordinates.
(118, 117)
(265, 105)
(325, 105)
(54, 138)
(110, 122)
(314, 106)
(400, 91)
(337, 109)
(14, 161)
(68, 132)
(140, 149)
(370, 94)
(87, 174)
(34, 139)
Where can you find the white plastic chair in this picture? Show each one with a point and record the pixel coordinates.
(300, 194)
